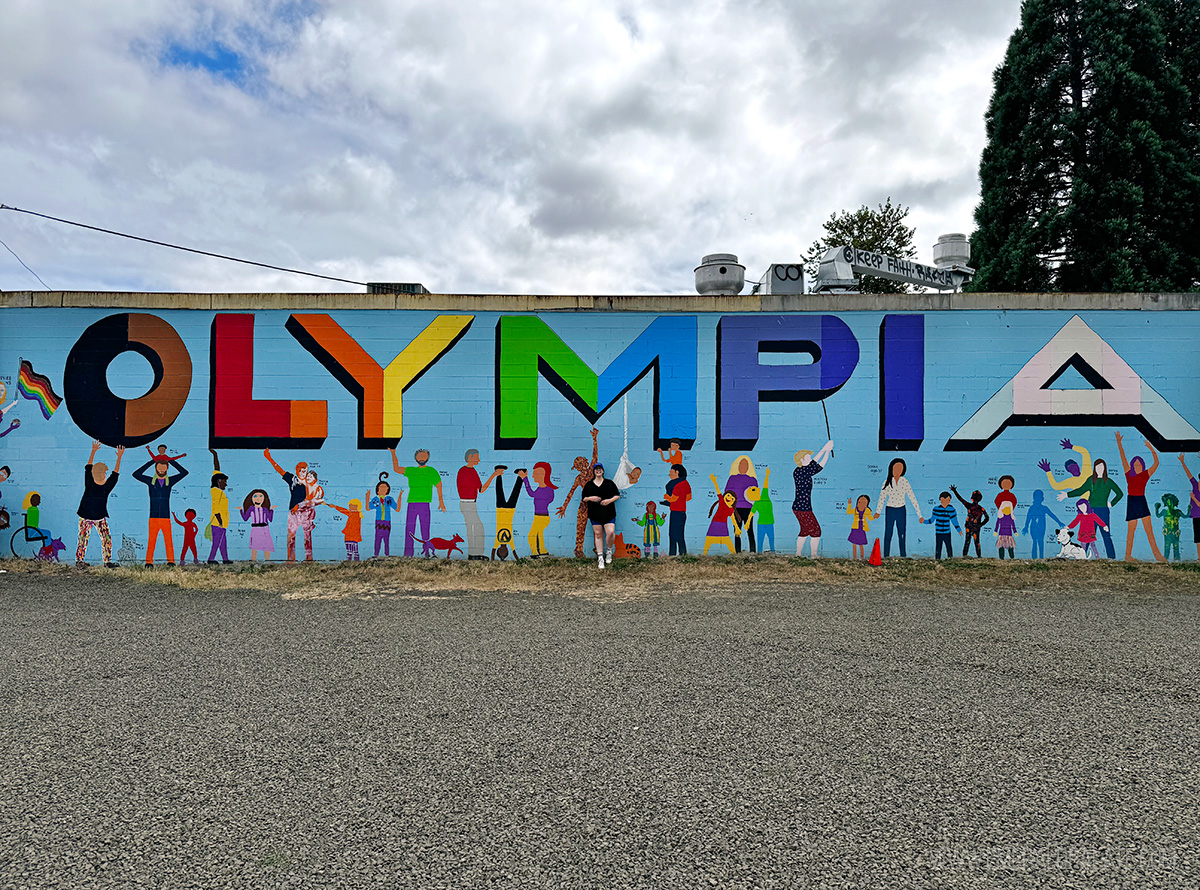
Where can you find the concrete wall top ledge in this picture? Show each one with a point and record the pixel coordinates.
(317, 302)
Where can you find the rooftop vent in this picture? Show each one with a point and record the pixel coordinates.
(720, 274)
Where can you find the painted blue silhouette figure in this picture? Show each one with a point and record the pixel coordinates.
(1035, 524)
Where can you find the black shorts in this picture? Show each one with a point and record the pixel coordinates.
(1196, 530)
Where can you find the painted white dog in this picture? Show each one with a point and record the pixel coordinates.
(1070, 550)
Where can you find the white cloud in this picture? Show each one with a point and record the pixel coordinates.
(510, 148)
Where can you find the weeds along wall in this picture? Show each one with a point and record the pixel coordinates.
(1021, 399)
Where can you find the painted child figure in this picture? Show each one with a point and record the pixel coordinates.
(1006, 531)
(1087, 521)
(189, 536)
(1168, 510)
(763, 513)
(1035, 524)
(718, 529)
(383, 504)
(977, 517)
(256, 510)
(162, 457)
(862, 514)
(352, 533)
(651, 523)
(944, 516)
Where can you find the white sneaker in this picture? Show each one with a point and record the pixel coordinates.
(608, 557)
(599, 562)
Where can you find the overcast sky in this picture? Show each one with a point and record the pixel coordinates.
(478, 147)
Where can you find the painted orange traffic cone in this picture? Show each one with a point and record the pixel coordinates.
(876, 559)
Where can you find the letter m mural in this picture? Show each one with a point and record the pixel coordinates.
(527, 348)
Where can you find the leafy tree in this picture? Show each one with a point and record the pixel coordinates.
(882, 231)
(1091, 174)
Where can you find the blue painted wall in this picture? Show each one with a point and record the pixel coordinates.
(943, 369)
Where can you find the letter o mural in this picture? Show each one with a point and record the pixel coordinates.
(102, 414)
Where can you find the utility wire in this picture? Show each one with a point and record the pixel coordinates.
(218, 256)
(27, 269)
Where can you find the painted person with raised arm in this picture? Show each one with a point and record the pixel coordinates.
(808, 465)
(297, 495)
(93, 506)
(160, 486)
(422, 480)
(1136, 506)
(1078, 472)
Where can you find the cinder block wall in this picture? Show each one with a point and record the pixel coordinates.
(965, 389)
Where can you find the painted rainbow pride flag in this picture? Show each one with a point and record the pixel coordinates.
(37, 387)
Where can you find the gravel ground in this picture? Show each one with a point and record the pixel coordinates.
(820, 736)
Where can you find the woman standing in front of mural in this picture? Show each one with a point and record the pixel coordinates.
(742, 476)
(583, 471)
(808, 465)
(256, 510)
(1097, 489)
(1193, 504)
(895, 515)
(1136, 506)
(543, 497)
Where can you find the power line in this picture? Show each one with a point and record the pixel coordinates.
(27, 269)
(218, 256)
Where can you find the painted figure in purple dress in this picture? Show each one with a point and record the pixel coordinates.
(742, 476)
(543, 497)
(256, 510)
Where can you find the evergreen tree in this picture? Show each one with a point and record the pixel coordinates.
(882, 231)
(1091, 175)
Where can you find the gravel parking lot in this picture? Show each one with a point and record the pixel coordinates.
(776, 736)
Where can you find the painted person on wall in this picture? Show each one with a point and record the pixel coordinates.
(944, 515)
(742, 476)
(650, 522)
(543, 497)
(32, 505)
(583, 476)
(809, 465)
(860, 525)
(601, 495)
(352, 533)
(220, 513)
(1193, 510)
(673, 456)
(1088, 521)
(725, 507)
(1168, 510)
(383, 504)
(1035, 524)
(256, 509)
(506, 509)
(679, 492)
(1005, 495)
(1136, 507)
(297, 493)
(975, 520)
(160, 486)
(895, 515)
(470, 487)
(422, 480)
(93, 506)
(1097, 489)
(1006, 531)
(162, 457)
(763, 513)
(1076, 472)
(189, 536)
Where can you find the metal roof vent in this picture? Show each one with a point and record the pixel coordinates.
(720, 274)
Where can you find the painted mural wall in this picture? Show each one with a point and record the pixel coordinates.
(189, 435)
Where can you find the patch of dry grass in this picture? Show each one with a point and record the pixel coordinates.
(627, 579)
